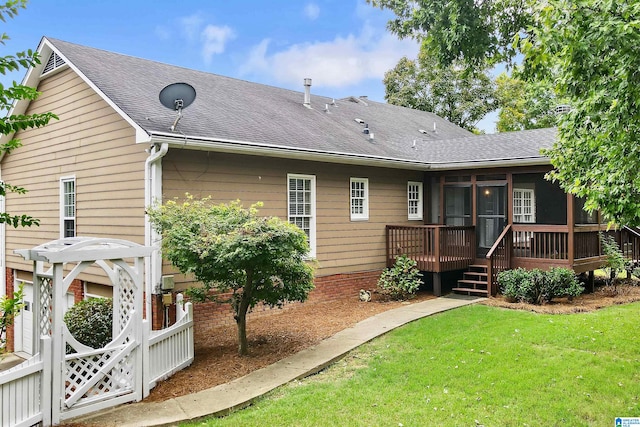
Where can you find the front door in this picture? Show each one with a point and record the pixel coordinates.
(491, 215)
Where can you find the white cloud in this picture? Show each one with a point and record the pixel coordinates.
(338, 63)
(162, 32)
(312, 11)
(191, 26)
(214, 39)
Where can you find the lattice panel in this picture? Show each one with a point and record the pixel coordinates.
(46, 304)
(117, 380)
(127, 298)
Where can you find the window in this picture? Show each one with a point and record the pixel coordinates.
(457, 205)
(68, 207)
(359, 200)
(523, 205)
(302, 205)
(414, 200)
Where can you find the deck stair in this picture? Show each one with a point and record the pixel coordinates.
(474, 281)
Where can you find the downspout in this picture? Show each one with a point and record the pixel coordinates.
(153, 192)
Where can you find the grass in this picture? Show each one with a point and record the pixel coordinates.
(475, 365)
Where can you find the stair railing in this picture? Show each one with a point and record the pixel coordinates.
(499, 258)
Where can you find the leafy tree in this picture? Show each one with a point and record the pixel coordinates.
(11, 123)
(589, 49)
(473, 31)
(524, 104)
(593, 47)
(233, 250)
(461, 97)
(9, 309)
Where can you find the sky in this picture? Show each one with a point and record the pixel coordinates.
(342, 45)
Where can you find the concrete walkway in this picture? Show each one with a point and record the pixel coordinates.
(241, 392)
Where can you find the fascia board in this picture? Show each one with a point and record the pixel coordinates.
(253, 148)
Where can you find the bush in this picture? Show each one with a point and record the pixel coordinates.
(402, 280)
(91, 321)
(537, 286)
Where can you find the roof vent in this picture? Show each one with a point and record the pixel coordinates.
(562, 109)
(307, 93)
(54, 62)
(423, 131)
(366, 129)
(359, 121)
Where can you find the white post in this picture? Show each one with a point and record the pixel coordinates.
(146, 372)
(45, 380)
(57, 383)
(179, 307)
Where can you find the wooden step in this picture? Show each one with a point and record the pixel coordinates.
(479, 266)
(475, 273)
(472, 291)
(473, 282)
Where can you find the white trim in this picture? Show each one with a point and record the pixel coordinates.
(33, 76)
(522, 214)
(364, 215)
(63, 216)
(418, 215)
(280, 151)
(312, 214)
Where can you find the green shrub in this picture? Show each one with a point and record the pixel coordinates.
(402, 280)
(537, 286)
(91, 321)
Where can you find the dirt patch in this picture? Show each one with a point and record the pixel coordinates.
(603, 296)
(271, 338)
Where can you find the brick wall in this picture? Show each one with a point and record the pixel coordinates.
(209, 315)
(10, 329)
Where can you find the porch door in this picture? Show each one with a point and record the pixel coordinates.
(491, 215)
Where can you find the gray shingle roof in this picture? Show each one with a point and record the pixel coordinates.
(227, 109)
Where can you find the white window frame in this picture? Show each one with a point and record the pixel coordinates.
(519, 213)
(63, 211)
(364, 197)
(412, 213)
(311, 215)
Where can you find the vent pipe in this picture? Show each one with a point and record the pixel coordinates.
(307, 92)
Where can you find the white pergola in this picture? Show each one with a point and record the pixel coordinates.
(90, 377)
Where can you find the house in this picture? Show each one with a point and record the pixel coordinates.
(366, 181)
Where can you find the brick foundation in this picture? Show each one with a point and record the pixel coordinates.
(328, 288)
(10, 329)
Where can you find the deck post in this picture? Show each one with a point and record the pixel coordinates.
(437, 284)
(591, 281)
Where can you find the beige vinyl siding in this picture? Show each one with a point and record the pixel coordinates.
(89, 141)
(343, 246)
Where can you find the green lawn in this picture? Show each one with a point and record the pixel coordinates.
(473, 365)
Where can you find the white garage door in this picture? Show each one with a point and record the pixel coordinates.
(24, 322)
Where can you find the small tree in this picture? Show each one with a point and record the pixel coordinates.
(614, 258)
(232, 249)
(9, 309)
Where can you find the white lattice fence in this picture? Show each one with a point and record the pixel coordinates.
(25, 398)
(171, 349)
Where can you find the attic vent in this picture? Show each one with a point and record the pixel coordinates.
(563, 109)
(53, 63)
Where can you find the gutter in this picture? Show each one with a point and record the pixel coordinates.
(270, 150)
(152, 192)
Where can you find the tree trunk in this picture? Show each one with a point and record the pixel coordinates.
(241, 315)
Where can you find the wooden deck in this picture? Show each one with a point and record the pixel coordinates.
(436, 248)
(439, 248)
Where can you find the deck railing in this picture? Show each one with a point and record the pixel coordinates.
(436, 248)
(499, 258)
(630, 243)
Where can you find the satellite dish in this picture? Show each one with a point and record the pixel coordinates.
(177, 96)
